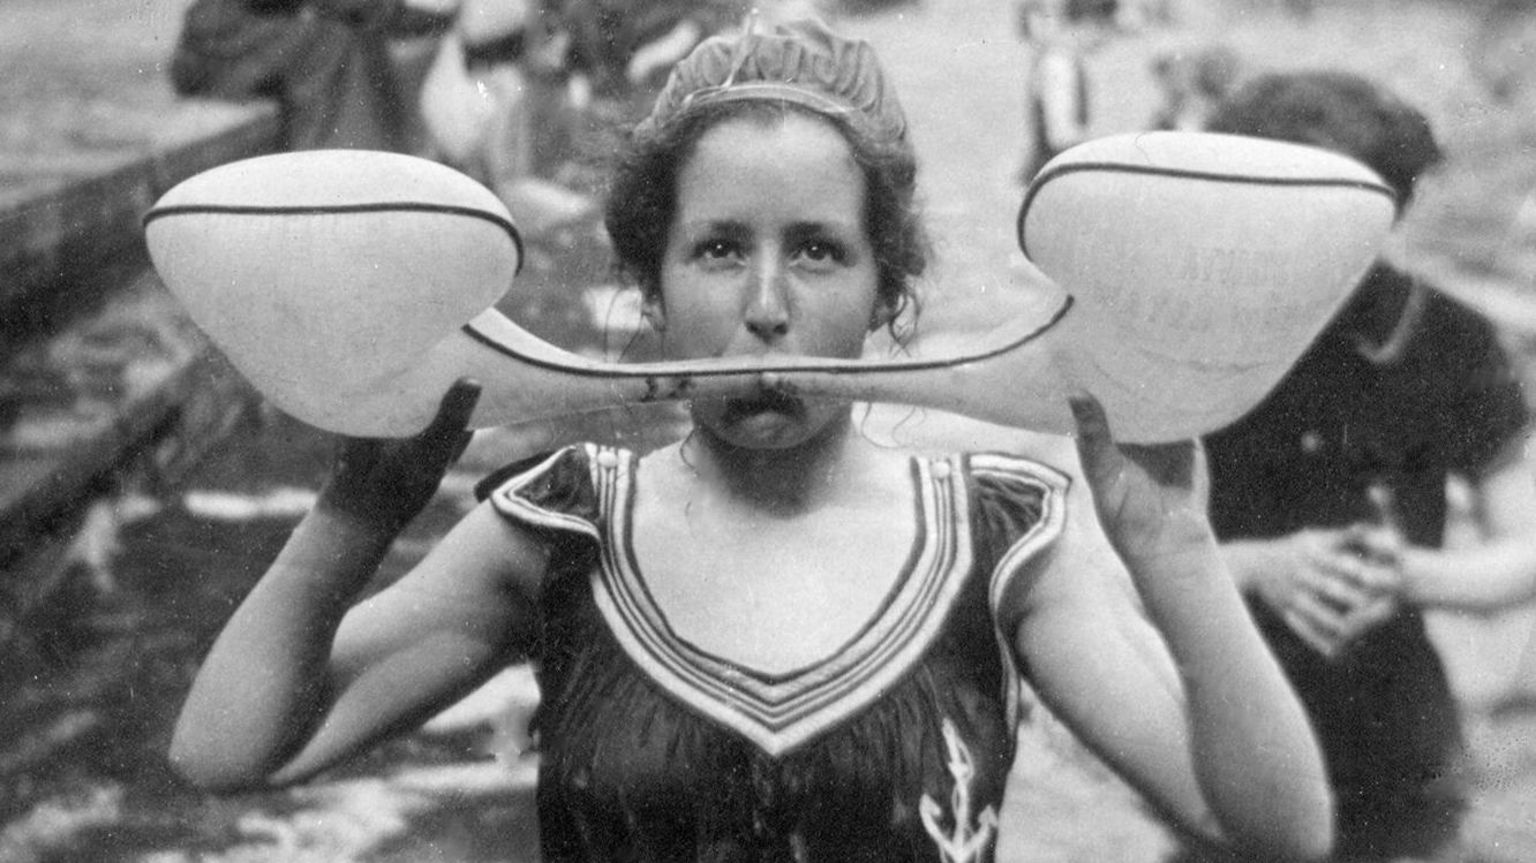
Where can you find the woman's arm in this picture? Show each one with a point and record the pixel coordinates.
(1498, 569)
(299, 678)
(1215, 738)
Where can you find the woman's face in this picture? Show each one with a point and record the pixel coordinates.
(768, 255)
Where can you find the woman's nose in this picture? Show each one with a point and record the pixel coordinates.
(767, 313)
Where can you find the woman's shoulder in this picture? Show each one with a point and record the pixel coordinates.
(1012, 469)
(1002, 465)
(557, 489)
(1015, 494)
(510, 474)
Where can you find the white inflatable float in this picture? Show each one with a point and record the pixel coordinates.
(353, 287)
(1202, 266)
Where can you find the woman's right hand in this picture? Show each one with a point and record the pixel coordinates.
(383, 483)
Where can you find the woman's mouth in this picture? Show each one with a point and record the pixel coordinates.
(762, 402)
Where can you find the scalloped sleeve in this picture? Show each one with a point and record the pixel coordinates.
(1019, 511)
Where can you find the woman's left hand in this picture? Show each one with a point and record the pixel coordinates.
(1150, 498)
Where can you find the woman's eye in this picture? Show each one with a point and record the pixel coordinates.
(716, 251)
(822, 252)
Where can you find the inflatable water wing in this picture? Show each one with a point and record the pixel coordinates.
(353, 287)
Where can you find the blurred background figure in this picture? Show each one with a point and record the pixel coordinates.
(1499, 50)
(1331, 497)
(1192, 84)
(1061, 36)
(1301, 10)
(497, 105)
(1056, 90)
(472, 99)
(625, 50)
(344, 72)
(526, 96)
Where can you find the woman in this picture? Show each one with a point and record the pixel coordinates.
(773, 640)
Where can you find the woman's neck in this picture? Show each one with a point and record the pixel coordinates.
(784, 481)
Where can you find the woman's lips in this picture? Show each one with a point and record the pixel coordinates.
(762, 402)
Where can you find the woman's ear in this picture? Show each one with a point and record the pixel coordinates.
(883, 314)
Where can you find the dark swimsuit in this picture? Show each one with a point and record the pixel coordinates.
(896, 747)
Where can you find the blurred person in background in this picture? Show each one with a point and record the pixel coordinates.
(625, 50)
(343, 72)
(1061, 35)
(497, 105)
(1330, 498)
(1192, 84)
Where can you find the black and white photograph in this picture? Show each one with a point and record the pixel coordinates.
(793, 431)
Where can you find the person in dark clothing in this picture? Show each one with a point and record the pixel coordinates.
(1330, 498)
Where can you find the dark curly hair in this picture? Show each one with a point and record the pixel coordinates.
(642, 198)
(1340, 111)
